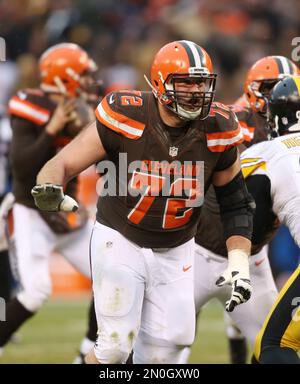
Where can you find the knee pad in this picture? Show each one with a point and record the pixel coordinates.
(119, 289)
(113, 351)
(117, 308)
(33, 297)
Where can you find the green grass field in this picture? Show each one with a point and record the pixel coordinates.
(54, 334)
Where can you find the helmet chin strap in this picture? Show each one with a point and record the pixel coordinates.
(162, 98)
(59, 87)
(151, 86)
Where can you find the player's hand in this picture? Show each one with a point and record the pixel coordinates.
(63, 114)
(51, 198)
(237, 275)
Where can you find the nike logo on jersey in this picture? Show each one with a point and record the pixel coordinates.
(257, 263)
(111, 99)
(185, 269)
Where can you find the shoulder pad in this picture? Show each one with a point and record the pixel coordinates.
(255, 158)
(223, 128)
(250, 164)
(30, 105)
(124, 113)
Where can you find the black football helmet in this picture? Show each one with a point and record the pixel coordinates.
(284, 107)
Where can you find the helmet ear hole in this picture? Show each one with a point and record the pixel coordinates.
(156, 82)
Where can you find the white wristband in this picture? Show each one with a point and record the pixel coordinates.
(238, 260)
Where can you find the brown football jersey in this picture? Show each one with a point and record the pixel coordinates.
(174, 170)
(30, 111)
(210, 231)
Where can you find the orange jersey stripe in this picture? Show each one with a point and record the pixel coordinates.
(222, 148)
(248, 131)
(115, 128)
(224, 135)
(121, 118)
(27, 110)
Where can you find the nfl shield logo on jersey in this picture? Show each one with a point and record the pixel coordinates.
(173, 151)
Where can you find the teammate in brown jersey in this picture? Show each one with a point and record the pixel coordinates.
(164, 150)
(251, 112)
(44, 120)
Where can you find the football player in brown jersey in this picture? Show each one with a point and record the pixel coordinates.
(142, 246)
(251, 112)
(43, 120)
(250, 108)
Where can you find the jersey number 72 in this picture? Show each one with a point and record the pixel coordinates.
(151, 185)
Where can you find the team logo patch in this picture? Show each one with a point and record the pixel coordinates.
(109, 244)
(173, 151)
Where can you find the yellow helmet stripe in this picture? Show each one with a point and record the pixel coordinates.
(297, 82)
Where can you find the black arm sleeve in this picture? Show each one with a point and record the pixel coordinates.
(236, 208)
(259, 186)
(29, 151)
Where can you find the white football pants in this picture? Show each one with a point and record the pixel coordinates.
(33, 242)
(144, 299)
(249, 316)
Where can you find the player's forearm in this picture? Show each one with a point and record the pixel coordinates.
(53, 172)
(239, 242)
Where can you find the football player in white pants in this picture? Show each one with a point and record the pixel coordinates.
(142, 247)
(35, 241)
(44, 120)
(250, 316)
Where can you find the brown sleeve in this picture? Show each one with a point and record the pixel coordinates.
(226, 159)
(29, 150)
(110, 139)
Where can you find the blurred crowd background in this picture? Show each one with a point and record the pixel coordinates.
(123, 35)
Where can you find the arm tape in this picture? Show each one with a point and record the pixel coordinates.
(237, 208)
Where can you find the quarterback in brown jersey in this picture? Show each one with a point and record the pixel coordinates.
(163, 150)
(210, 245)
(44, 120)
